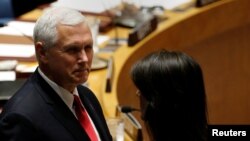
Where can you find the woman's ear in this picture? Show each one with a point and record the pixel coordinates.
(40, 52)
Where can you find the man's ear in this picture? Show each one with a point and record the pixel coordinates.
(41, 51)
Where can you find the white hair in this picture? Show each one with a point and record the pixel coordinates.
(45, 28)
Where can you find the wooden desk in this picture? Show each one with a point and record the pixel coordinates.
(216, 35)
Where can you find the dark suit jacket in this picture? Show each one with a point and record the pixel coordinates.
(37, 113)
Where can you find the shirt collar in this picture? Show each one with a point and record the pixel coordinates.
(64, 94)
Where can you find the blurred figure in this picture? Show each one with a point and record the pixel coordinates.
(53, 105)
(172, 96)
(6, 10)
(21, 7)
(11, 9)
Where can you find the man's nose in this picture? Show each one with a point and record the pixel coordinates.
(82, 57)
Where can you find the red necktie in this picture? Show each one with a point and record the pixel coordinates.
(84, 119)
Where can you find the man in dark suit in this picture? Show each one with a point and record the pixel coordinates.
(43, 109)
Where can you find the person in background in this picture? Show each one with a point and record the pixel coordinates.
(172, 96)
(53, 105)
(20, 7)
(12, 9)
(6, 12)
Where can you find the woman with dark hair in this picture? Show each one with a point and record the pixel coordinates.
(172, 96)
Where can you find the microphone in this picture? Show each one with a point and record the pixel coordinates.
(132, 126)
(128, 109)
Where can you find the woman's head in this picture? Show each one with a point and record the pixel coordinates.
(172, 91)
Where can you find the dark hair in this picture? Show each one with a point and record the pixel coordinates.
(172, 82)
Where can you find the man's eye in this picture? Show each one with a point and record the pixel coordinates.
(72, 50)
(89, 47)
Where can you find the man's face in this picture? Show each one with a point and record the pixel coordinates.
(69, 62)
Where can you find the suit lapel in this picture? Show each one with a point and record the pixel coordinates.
(94, 116)
(59, 109)
(69, 121)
